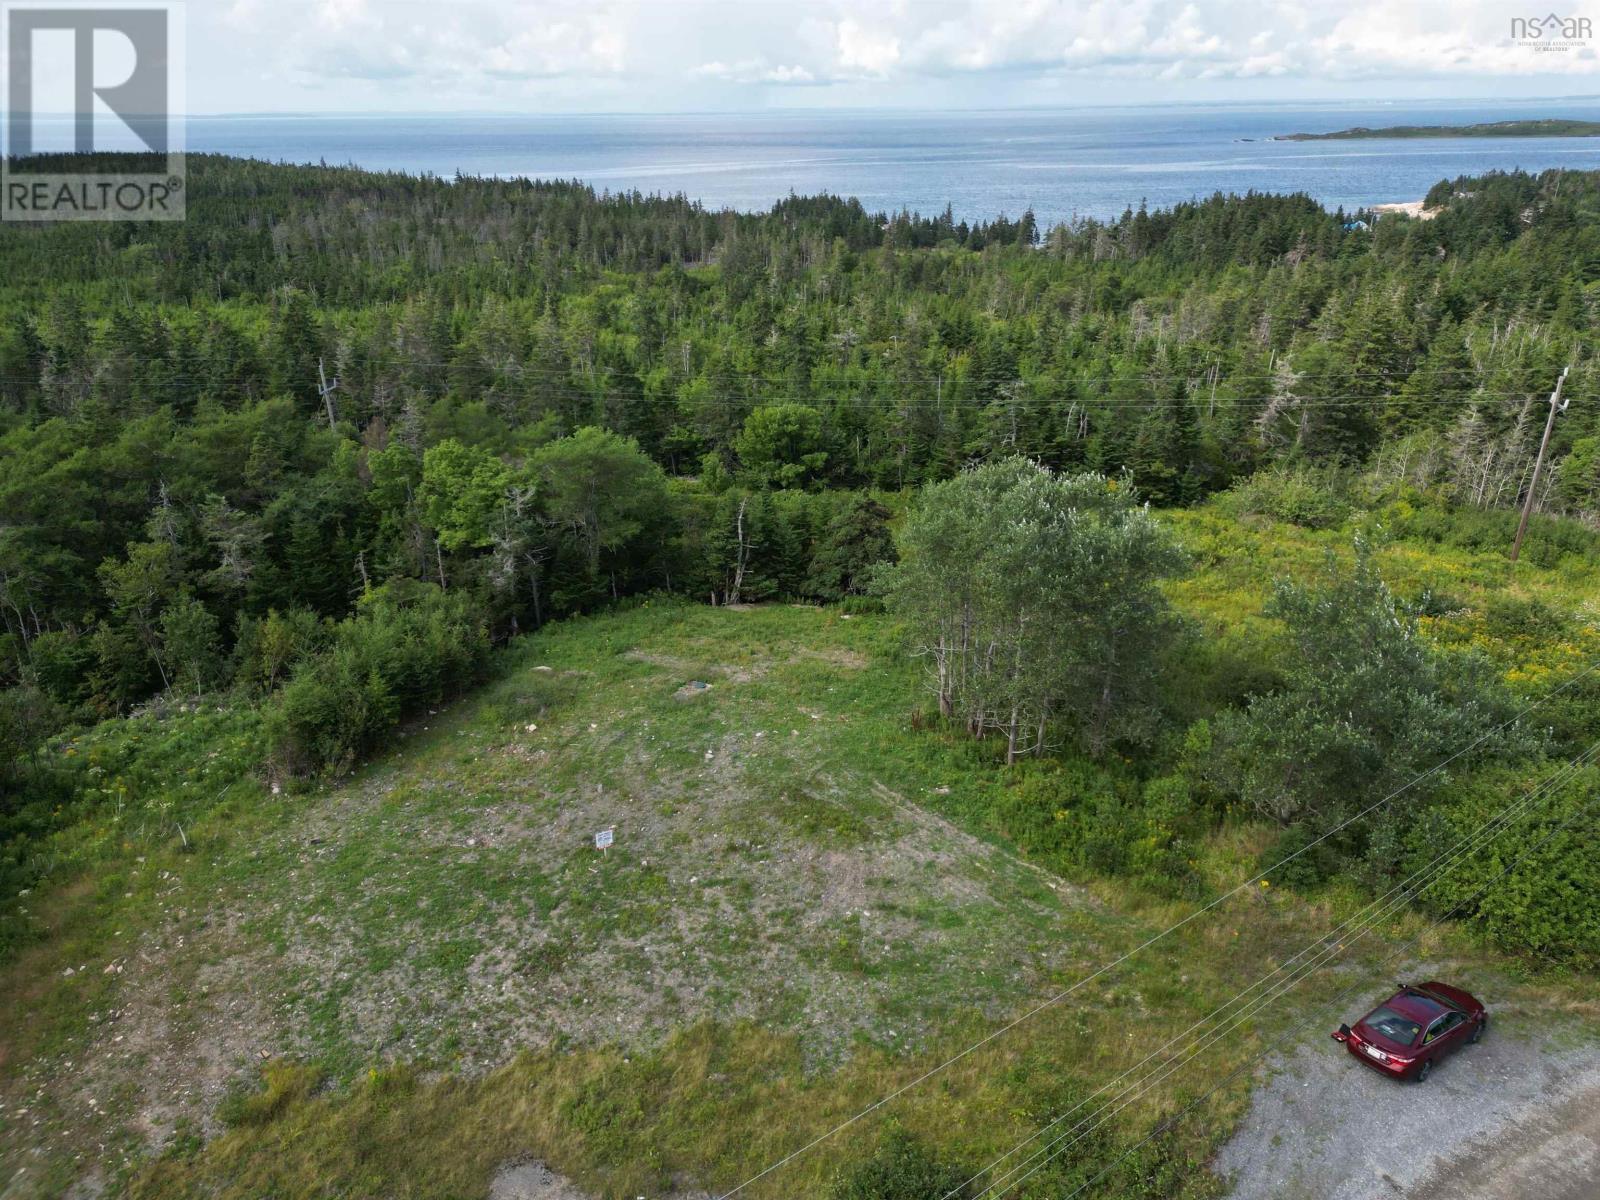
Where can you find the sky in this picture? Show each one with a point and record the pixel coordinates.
(555, 56)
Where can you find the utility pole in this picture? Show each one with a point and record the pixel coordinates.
(326, 390)
(1557, 404)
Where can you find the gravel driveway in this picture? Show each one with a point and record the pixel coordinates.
(1508, 1119)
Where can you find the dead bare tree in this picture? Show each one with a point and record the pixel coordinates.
(741, 554)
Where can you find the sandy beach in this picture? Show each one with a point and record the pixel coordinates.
(1411, 208)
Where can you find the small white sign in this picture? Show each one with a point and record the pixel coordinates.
(604, 838)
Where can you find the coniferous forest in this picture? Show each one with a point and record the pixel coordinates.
(459, 408)
(173, 476)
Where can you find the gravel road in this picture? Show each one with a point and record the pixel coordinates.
(1553, 1155)
(1511, 1118)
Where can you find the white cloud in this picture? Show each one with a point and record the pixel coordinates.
(337, 16)
(755, 70)
(465, 49)
(1434, 39)
(865, 49)
(673, 53)
(557, 48)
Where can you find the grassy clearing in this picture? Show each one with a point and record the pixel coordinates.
(809, 902)
(747, 881)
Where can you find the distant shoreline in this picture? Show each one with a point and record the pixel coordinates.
(1548, 127)
(979, 166)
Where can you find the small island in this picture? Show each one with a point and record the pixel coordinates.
(1541, 128)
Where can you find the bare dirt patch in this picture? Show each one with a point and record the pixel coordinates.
(835, 656)
(684, 666)
(713, 892)
(459, 913)
(183, 1020)
(185, 1058)
(531, 1181)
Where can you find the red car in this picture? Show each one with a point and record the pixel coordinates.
(1405, 1035)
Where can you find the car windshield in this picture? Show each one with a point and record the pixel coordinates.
(1393, 1026)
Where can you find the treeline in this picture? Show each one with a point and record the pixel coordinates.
(540, 398)
(265, 530)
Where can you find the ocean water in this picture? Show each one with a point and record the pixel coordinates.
(1063, 163)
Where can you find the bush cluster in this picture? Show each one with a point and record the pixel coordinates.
(405, 648)
(1311, 497)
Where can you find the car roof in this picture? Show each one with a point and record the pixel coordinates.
(1447, 994)
(1418, 1008)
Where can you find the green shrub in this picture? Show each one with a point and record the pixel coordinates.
(126, 782)
(1206, 674)
(1310, 861)
(27, 717)
(902, 1168)
(1549, 539)
(282, 1084)
(1077, 818)
(406, 648)
(267, 649)
(1310, 497)
(40, 798)
(1430, 602)
(61, 663)
(860, 605)
(1532, 886)
(1513, 618)
(1367, 703)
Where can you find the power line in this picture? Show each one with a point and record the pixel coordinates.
(1147, 943)
(1325, 948)
(857, 374)
(1201, 408)
(954, 377)
(1330, 945)
(1557, 404)
(1506, 815)
(575, 391)
(950, 378)
(1171, 1121)
(1013, 1178)
(570, 382)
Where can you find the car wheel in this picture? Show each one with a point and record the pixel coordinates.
(1425, 1071)
(1477, 1033)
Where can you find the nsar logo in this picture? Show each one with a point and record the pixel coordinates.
(1552, 32)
